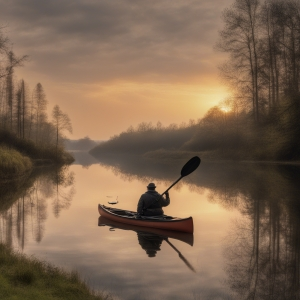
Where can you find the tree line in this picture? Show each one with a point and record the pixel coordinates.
(262, 40)
(146, 137)
(23, 111)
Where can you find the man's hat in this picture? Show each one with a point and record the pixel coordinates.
(151, 185)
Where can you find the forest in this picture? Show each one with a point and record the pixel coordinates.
(24, 123)
(260, 119)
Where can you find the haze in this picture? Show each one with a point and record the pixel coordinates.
(113, 64)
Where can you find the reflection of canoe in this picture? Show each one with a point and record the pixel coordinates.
(181, 236)
(161, 222)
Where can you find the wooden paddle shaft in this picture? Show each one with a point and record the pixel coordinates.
(172, 185)
(187, 169)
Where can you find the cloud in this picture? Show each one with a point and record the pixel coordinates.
(96, 41)
(115, 62)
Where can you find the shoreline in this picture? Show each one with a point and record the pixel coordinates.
(164, 155)
(15, 165)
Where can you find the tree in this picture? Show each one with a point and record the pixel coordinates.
(40, 103)
(10, 88)
(281, 49)
(61, 122)
(240, 38)
(21, 109)
(13, 60)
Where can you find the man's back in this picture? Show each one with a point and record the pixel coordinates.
(151, 203)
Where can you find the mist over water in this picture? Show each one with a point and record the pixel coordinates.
(245, 242)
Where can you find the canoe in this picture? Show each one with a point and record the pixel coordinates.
(187, 238)
(161, 222)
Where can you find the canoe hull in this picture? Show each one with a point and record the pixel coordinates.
(187, 238)
(176, 224)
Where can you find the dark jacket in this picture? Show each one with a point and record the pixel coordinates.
(151, 203)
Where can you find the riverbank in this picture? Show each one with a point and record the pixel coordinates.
(28, 278)
(19, 156)
(213, 156)
(13, 164)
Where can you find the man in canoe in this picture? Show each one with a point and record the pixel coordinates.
(151, 202)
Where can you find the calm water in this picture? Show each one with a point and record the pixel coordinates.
(246, 242)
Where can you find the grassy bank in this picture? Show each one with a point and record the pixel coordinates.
(40, 153)
(13, 163)
(17, 156)
(28, 278)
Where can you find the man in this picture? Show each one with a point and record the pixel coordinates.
(151, 202)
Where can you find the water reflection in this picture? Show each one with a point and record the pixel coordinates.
(151, 239)
(260, 254)
(150, 242)
(130, 167)
(24, 203)
(262, 250)
(83, 158)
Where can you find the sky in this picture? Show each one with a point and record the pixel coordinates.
(112, 64)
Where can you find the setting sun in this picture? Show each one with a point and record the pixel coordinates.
(225, 109)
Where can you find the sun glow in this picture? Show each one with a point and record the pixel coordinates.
(225, 109)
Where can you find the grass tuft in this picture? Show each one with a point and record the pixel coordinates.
(28, 278)
(24, 277)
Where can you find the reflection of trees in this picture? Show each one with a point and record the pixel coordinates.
(143, 168)
(24, 209)
(263, 250)
(64, 191)
(83, 158)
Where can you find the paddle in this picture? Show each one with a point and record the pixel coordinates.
(187, 169)
(181, 256)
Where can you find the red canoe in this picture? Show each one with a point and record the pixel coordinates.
(162, 222)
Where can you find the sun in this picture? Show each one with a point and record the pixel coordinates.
(225, 109)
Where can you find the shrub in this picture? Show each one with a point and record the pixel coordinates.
(13, 163)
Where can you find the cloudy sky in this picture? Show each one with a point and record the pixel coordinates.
(110, 64)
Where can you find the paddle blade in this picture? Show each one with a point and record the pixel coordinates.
(190, 166)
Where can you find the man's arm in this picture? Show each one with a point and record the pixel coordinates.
(140, 206)
(165, 201)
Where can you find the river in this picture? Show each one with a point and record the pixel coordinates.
(246, 241)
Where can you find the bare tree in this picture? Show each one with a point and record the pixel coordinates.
(61, 122)
(8, 61)
(19, 110)
(10, 88)
(240, 38)
(40, 103)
